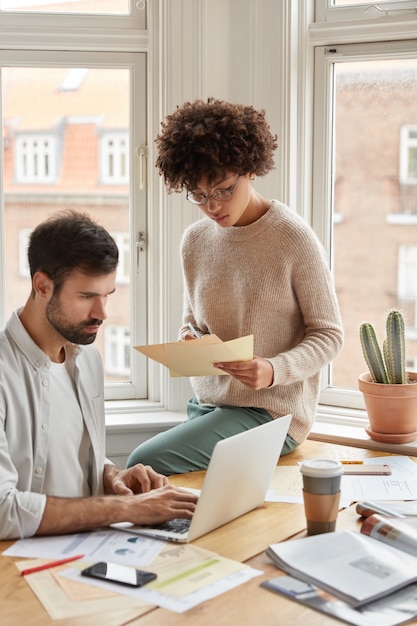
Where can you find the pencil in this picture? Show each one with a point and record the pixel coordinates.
(351, 462)
(195, 332)
(39, 568)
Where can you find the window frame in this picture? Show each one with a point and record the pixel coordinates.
(135, 19)
(329, 11)
(135, 63)
(325, 56)
(173, 33)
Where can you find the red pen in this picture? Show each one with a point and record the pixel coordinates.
(32, 570)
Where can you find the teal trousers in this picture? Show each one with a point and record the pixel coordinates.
(188, 447)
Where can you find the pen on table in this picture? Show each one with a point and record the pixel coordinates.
(39, 568)
(195, 332)
(351, 462)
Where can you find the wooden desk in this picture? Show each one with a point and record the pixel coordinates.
(244, 539)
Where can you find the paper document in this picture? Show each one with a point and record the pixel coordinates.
(287, 486)
(196, 357)
(66, 599)
(98, 545)
(187, 574)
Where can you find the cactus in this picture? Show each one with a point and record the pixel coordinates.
(388, 368)
(395, 348)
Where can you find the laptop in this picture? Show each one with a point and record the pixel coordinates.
(237, 480)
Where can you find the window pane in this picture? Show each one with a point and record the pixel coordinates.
(380, 7)
(375, 207)
(96, 7)
(338, 3)
(54, 134)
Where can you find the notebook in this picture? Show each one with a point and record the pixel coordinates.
(237, 479)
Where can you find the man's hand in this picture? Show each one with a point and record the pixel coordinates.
(70, 515)
(256, 374)
(137, 479)
(161, 505)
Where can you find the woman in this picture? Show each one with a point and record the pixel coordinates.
(251, 267)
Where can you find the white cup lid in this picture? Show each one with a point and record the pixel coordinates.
(321, 467)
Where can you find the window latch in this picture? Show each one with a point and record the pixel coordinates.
(142, 153)
(140, 247)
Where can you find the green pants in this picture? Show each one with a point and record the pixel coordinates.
(188, 447)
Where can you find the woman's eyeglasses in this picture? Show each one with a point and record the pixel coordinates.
(221, 195)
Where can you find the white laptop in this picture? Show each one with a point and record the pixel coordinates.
(237, 479)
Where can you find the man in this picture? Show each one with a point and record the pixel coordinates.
(54, 477)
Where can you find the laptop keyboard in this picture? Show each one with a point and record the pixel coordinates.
(178, 525)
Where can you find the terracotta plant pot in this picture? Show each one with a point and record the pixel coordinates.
(392, 409)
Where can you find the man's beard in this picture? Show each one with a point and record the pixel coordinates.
(75, 333)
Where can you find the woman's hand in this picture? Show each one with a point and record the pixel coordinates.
(256, 374)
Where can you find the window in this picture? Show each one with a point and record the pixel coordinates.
(114, 156)
(67, 135)
(408, 155)
(407, 289)
(344, 10)
(24, 234)
(117, 350)
(36, 159)
(364, 157)
(67, 6)
(123, 269)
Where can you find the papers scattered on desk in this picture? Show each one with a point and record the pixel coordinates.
(101, 545)
(187, 574)
(196, 357)
(286, 484)
(65, 599)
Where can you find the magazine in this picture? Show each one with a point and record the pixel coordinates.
(398, 608)
(356, 567)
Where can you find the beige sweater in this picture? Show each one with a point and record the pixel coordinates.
(269, 279)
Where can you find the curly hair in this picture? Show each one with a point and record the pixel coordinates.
(211, 138)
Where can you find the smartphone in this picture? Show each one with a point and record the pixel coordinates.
(121, 574)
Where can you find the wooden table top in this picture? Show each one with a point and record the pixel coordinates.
(244, 540)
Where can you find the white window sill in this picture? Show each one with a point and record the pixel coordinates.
(332, 425)
(347, 428)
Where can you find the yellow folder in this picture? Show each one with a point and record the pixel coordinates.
(196, 357)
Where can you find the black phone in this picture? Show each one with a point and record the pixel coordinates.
(122, 574)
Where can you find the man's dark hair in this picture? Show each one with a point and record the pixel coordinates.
(69, 241)
(207, 139)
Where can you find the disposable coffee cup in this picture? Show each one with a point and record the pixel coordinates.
(321, 494)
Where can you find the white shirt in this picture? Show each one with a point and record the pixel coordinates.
(69, 434)
(27, 440)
